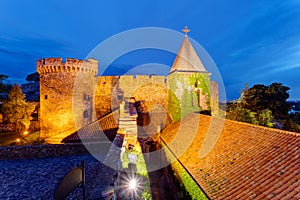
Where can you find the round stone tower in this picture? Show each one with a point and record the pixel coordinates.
(66, 96)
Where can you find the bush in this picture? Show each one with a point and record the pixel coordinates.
(186, 181)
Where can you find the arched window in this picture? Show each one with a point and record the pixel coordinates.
(197, 83)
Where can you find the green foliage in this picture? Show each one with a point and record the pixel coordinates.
(187, 181)
(265, 118)
(200, 81)
(16, 110)
(186, 87)
(260, 104)
(174, 106)
(184, 178)
(141, 167)
(146, 195)
(238, 113)
(272, 97)
(33, 77)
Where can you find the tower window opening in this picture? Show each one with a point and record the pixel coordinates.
(46, 96)
(197, 83)
(85, 114)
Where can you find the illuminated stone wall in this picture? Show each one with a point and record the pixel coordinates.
(149, 90)
(110, 90)
(66, 93)
(106, 95)
(70, 90)
(188, 92)
(214, 98)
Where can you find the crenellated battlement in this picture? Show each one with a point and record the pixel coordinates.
(71, 65)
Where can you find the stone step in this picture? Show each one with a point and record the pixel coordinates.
(56, 139)
(53, 141)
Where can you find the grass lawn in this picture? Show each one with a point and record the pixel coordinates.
(10, 138)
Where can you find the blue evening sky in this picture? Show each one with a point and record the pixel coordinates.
(252, 42)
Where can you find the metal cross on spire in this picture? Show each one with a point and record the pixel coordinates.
(185, 30)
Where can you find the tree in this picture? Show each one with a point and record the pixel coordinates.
(277, 95)
(3, 77)
(254, 98)
(295, 117)
(16, 110)
(289, 125)
(4, 86)
(238, 113)
(265, 118)
(260, 104)
(33, 77)
(272, 97)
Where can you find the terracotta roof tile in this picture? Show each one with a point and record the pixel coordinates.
(247, 162)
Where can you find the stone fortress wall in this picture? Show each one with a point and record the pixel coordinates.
(105, 98)
(70, 90)
(66, 93)
(149, 91)
(214, 98)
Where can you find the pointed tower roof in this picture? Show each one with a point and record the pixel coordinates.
(187, 59)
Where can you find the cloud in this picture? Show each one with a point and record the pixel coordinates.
(18, 55)
(32, 47)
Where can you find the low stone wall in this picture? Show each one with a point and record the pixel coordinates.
(47, 150)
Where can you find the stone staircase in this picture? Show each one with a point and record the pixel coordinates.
(125, 119)
(110, 121)
(56, 139)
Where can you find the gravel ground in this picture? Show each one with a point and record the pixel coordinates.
(37, 178)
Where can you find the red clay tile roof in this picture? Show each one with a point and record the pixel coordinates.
(247, 162)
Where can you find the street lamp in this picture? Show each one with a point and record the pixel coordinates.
(132, 184)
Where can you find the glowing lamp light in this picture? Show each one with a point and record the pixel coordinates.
(132, 184)
(18, 140)
(25, 133)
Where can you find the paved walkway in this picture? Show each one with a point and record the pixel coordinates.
(37, 178)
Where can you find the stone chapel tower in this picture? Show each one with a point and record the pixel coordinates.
(188, 83)
(66, 96)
